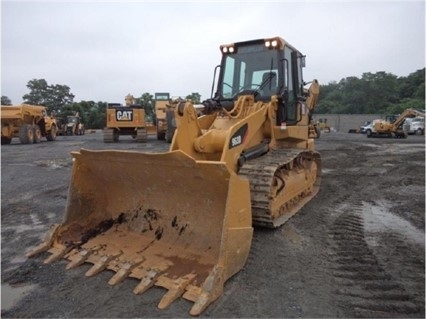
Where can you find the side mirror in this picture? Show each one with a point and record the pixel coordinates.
(303, 61)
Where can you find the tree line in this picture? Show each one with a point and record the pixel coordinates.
(373, 93)
(59, 101)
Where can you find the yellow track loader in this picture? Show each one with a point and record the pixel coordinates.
(183, 220)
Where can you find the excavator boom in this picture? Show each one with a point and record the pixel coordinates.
(407, 113)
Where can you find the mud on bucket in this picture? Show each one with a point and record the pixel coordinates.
(165, 219)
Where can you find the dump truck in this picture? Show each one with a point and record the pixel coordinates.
(392, 126)
(248, 160)
(127, 119)
(27, 122)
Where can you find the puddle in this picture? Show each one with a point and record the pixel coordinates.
(51, 216)
(371, 145)
(11, 295)
(24, 228)
(405, 148)
(20, 164)
(55, 164)
(388, 164)
(18, 259)
(377, 218)
(327, 170)
(292, 235)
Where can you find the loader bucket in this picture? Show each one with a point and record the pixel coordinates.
(165, 219)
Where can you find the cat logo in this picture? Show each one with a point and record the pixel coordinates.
(126, 115)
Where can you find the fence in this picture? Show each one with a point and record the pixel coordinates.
(346, 122)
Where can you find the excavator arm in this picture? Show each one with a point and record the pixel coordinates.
(407, 113)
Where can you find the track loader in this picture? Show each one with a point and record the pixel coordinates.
(249, 160)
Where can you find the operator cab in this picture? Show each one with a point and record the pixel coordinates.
(263, 68)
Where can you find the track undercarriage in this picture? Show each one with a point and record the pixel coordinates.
(281, 182)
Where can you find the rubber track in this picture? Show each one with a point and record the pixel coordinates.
(260, 172)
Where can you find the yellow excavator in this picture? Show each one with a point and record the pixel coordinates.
(392, 126)
(183, 220)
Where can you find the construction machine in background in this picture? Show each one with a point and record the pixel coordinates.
(74, 125)
(27, 122)
(161, 102)
(128, 119)
(323, 125)
(249, 160)
(171, 119)
(392, 126)
(165, 115)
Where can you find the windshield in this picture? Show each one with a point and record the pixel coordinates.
(253, 67)
(162, 96)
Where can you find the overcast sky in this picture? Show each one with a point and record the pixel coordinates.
(104, 50)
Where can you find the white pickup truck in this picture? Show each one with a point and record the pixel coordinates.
(415, 125)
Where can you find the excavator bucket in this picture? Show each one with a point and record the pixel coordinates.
(165, 219)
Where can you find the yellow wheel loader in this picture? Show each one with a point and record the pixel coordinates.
(74, 125)
(249, 160)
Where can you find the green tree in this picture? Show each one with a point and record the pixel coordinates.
(5, 100)
(147, 101)
(58, 96)
(194, 97)
(412, 84)
(379, 92)
(38, 92)
(54, 97)
(93, 114)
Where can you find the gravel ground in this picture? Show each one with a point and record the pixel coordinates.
(356, 250)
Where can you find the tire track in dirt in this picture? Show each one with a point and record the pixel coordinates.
(366, 289)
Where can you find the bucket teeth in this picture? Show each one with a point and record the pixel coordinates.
(124, 271)
(57, 255)
(39, 249)
(176, 289)
(147, 282)
(101, 264)
(201, 304)
(80, 259)
(212, 288)
(46, 244)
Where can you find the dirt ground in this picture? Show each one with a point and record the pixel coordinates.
(356, 250)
